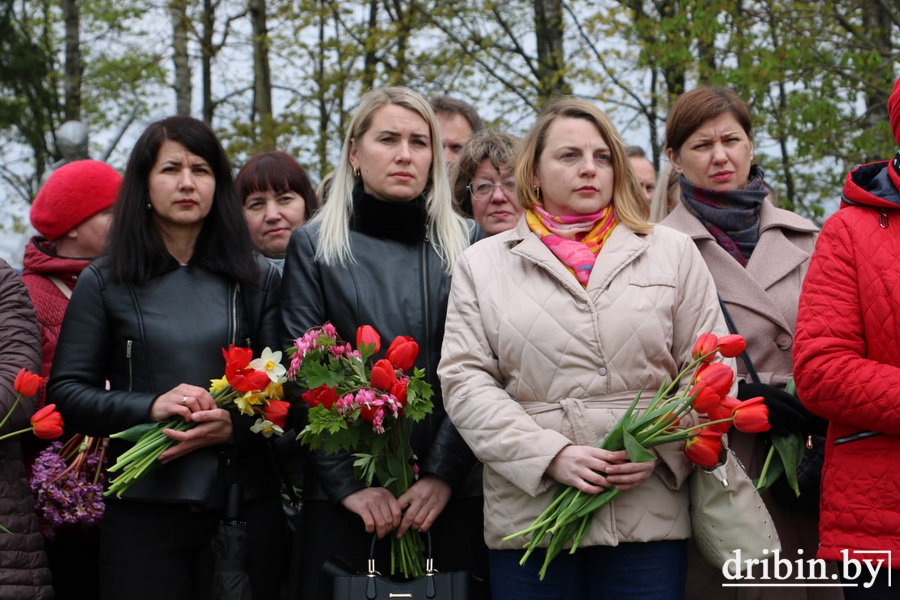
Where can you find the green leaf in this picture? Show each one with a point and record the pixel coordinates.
(133, 434)
(636, 452)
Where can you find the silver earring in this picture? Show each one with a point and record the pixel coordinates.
(357, 173)
(149, 206)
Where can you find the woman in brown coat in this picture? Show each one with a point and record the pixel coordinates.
(23, 565)
(758, 255)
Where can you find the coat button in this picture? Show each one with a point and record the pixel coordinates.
(784, 341)
(602, 371)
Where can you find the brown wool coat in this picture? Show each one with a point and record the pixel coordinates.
(762, 299)
(24, 574)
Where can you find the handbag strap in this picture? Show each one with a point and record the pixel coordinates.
(62, 286)
(429, 563)
(732, 328)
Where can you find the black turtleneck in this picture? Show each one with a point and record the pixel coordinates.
(403, 222)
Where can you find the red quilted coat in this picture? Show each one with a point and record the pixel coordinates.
(847, 363)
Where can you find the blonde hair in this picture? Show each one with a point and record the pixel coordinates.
(667, 194)
(628, 197)
(448, 231)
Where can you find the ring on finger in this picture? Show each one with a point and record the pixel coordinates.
(185, 400)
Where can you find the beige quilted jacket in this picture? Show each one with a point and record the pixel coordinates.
(533, 362)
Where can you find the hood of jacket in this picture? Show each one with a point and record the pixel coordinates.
(41, 259)
(876, 185)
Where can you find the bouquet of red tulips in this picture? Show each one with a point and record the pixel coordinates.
(46, 423)
(366, 410)
(570, 513)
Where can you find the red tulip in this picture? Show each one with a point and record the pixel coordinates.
(248, 380)
(705, 345)
(732, 345)
(704, 448)
(383, 376)
(398, 391)
(366, 335)
(368, 412)
(403, 352)
(718, 376)
(752, 416)
(276, 411)
(723, 410)
(27, 383)
(47, 423)
(705, 397)
(236, 359)
(321, 396)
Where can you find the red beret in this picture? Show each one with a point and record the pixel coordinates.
(72, 194)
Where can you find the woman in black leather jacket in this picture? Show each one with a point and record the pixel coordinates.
(143, 337)
(380, 253)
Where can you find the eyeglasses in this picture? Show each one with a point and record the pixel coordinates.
(483, 190)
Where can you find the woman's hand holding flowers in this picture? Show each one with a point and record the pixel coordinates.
(423, 502)
(181, 401)
(377, 507)
(213, 428)
(592, 470)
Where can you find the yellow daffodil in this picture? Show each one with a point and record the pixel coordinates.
(267, 428)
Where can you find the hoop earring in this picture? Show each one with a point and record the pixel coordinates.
(537, 190)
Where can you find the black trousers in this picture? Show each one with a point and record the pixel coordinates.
(332, 532)
(153, 550)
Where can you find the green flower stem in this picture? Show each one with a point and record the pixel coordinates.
(9, 435)
(9, 414)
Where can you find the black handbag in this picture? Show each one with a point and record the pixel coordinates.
(433, 585)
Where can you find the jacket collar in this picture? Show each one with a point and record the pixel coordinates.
(774, 258)
(621, 248)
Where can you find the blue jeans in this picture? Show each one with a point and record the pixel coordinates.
(644, 571)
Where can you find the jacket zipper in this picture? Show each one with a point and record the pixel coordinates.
(128, 359)
(425, 303)
(234, 315)
(855, 437)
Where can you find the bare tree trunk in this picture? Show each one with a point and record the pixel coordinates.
(370, 60)
(207, 51)
(73, 67)
(180, 56)
(262, 78)
(548, 23)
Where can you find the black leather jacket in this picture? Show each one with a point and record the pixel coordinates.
(145, 340)
(397, 284)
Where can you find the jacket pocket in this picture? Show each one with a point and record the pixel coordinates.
(854, 437)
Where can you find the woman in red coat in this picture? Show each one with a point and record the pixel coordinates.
(847, 368)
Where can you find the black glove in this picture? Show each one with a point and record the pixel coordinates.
(786, 413)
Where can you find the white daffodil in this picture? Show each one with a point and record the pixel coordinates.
(270, 363)
(267, 428)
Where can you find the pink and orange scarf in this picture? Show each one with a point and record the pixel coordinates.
(576, 240)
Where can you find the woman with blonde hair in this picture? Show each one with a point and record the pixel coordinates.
(380, 253)
(552, 329)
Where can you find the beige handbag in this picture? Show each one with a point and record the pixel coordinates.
(729, 520)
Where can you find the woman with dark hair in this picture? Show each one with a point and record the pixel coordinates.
(758, 255)
(483, 186)
(277, 198)
(143, 337)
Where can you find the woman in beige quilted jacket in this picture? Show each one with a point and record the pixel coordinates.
(552, 328)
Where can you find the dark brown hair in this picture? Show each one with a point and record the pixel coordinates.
(692, 109)
(277, 171)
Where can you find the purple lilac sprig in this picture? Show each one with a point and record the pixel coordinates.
(67, 483)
